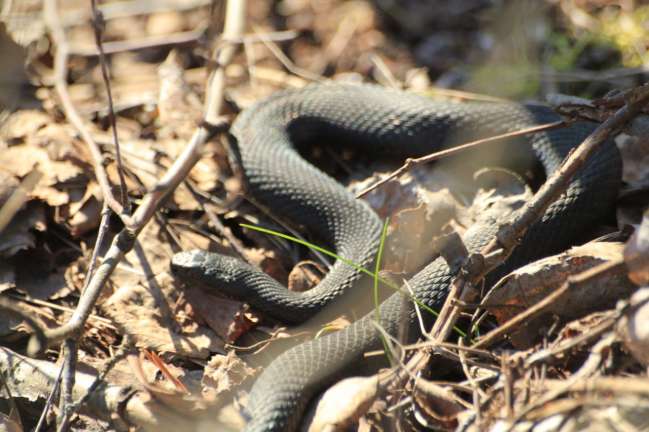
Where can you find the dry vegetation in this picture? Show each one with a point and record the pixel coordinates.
(112, 159)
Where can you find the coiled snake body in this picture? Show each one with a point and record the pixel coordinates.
(398, 124)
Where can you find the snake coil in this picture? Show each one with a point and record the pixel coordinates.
(390, 123)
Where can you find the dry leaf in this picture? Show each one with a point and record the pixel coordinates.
(134, 309)
(223, 373)
(18, 234)
(343, 403)
(305, 275)
(226, 317)
(533, 282)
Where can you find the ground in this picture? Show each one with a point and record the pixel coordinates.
(76, 214)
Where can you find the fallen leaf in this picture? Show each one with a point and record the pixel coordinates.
(223, 373)
(136, 312)
(528, 285)
(226, 317)
(343, 403)
(18, 234)
(305, 275)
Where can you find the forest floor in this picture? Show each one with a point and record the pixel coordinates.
(562, 344)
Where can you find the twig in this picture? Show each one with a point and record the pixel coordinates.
(123, 242)
(413, 162)
(69, 362)
(542, 357)
(286, 62)
(113, 47)
(588, 369)
(478, 265)
(50, 399)
(67, 384)
(60, 76)
(109, 365)
(604, 384)
(131, 8)
(98, 27)
(611, 267)
(101, 235)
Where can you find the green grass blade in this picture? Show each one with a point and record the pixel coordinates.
(349, 263)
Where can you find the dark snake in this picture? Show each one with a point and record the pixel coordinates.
(374, 120)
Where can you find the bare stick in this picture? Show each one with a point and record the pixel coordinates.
(499, 249)
(413, 162)
(60, 76)
(123, 242)
(113, 47)
(98, 27)
(67, 384)
(50, 400)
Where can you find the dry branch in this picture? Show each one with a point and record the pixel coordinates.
(478, 265)
(123, 242)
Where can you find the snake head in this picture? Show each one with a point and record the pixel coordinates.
(208, 268)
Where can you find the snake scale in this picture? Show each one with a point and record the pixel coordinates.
(391, 123)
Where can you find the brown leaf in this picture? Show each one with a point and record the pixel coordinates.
(136, 312)
(305, 275)
(223, 373)
(226, 317)
(530, 284)
(20, 160)
(343, 403)
(18, 234)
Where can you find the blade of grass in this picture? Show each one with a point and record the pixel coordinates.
(377, 309)
(377, 268)
(349, 263)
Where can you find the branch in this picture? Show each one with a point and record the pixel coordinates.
(124, 241)
(98, 27)
(53, 23)
(413, 162)
(495, 253)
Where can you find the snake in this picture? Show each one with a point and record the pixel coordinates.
(267, 141)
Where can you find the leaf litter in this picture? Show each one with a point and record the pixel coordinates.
(46, 246)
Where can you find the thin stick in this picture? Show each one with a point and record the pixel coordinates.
(67, 384)
(413, 162)
(124, 241)
(60, 76)
(98, 25)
